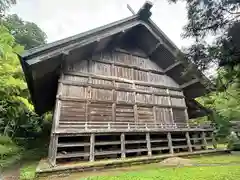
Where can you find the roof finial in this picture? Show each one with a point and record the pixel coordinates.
(144, 11)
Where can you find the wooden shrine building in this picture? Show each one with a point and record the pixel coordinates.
(117, 91)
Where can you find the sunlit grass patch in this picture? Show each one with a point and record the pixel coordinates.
(186, 173)
(28, 171)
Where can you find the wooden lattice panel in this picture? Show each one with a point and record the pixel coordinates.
(125, 113)
(99, 112)
(72, 110)
(145, 115)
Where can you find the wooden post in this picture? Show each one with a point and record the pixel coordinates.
(155, 116)
(88, 97)
(186, 117)
(188, 142)
(148, 144)
(135, 114)
(123, 152)
(170, 143)
(204, 141)
(52, 151)
(214, 142)
(92, 147)
(170, 104)
(135, 110)
(114, 97)
(53, 154)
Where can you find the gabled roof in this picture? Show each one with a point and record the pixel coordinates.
(42, 65)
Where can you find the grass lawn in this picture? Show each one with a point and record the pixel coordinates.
(228, 158)
(186, 173)
(154, 171)
(27, 172)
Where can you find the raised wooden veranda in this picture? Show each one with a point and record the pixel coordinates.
(101, 140)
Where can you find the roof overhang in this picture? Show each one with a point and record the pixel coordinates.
(42, 65)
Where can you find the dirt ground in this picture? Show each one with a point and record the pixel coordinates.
(176, 161)
(11, 174)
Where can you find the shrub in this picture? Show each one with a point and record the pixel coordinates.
(5, 140)
(10, 153)
(233, 142)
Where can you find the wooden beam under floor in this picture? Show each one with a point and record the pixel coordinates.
(148, 144)
(123, 151)
(92, 148)
(169, 137)
(188, 142)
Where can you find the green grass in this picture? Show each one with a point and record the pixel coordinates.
(9, 155)
(28, 171)
(228, 158)
(186, 173)
(30, 160)
(154, 171)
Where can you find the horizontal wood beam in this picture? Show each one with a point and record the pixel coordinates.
(189, 83)
(111, 87)
(128, 65)
(152, 50)
(172, 66)
(138, 54)
(111, 78)
(64, 98)
(77, 131)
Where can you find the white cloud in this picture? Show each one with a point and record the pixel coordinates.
(61, 18)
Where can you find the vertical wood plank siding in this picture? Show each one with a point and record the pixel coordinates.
(117, 91)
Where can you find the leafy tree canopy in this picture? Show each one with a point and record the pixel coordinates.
(26, 33)
(217, 18)
(17, 118)
(4, 5)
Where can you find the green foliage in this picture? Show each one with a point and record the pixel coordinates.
(225, 102)
(233, 142)
(17, 117)
(4, 5)
(20, 127)
(5, 140)
(28, 172)
(13, 88)
(219, 19)
(25, 33)
(9, 152)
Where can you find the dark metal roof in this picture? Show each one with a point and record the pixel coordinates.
(42, 65)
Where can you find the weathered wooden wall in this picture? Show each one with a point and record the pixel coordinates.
(119, 87)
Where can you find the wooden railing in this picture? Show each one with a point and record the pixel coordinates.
(128, 125)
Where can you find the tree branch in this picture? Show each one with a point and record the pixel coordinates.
(233, 13)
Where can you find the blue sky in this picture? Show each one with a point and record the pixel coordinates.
(63, 18)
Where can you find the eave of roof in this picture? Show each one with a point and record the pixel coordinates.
(75, 38)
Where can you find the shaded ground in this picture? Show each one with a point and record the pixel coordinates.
(12, 173)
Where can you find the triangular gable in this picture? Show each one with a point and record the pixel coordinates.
(42, 65)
